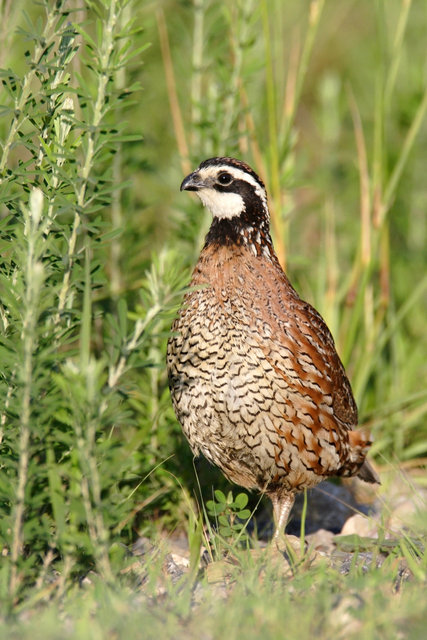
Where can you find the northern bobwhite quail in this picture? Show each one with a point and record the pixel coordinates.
(255, 379)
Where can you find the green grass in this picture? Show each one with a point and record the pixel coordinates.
(103, 109)
(250, 598)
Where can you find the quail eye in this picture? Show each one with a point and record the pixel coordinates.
(225, 178)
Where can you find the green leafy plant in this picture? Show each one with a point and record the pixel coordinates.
(69, 433)
(230, 513)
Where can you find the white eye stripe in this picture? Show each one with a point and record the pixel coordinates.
(237, 174)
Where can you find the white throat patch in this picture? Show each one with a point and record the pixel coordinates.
(226, 204)
(222, 204)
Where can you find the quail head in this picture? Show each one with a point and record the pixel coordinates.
(255, 379)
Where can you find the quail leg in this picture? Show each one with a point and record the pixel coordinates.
(282, 505)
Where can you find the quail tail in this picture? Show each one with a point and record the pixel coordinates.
(368, 474)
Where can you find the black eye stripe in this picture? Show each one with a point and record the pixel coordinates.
(241, 187)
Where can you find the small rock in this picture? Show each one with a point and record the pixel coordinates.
(360, 525)
(180, 561)
(218, 571)
(329, 505)
(273, 561)
(321, 541)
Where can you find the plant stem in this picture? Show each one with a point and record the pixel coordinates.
(116, 202)
(177, 119)
(33, 283)
(20, 102)
(140, 326)
(273, 148)
(196, 76)
(104, 55)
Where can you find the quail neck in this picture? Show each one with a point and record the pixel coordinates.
(237, 200)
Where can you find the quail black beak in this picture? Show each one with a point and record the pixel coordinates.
(192, 182)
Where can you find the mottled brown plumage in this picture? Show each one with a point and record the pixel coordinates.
(255, 379)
